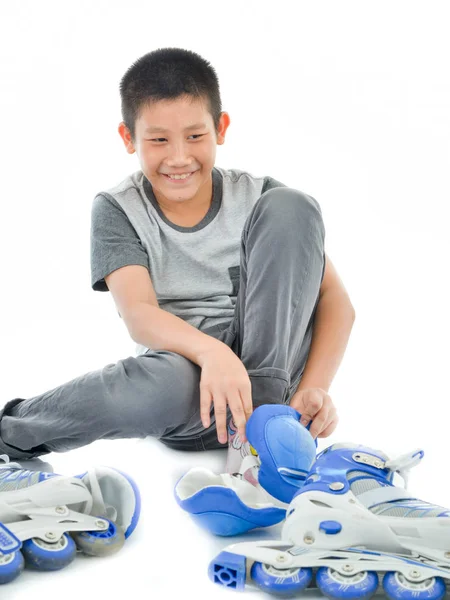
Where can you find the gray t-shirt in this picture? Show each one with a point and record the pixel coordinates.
(194, 270)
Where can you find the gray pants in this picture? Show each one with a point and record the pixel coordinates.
(157, 394)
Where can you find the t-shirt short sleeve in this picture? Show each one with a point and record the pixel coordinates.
(114, 241)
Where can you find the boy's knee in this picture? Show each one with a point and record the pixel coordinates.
(292, 199)
(289, 207)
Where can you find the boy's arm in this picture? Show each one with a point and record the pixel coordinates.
(331, 331)
(149, 325)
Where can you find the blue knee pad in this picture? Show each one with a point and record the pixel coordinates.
(218, 508)
(285, 447)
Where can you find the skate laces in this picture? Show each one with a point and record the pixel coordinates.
(404, 463)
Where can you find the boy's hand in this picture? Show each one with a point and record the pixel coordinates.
(224, 380)
(316, 405)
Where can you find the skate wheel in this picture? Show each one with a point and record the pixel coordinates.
(100, 543)
(49, 556)
(333, 584)
(396, 585)
(11, 565)
(280, 581)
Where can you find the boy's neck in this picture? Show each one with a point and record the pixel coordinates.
(193, 207)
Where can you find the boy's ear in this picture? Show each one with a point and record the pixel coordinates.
(223, 126)
(125, 134)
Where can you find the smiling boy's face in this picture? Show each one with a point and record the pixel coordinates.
(185, 143)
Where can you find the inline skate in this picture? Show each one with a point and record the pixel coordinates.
(45, 518)
(351, 532)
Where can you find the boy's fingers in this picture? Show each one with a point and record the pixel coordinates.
(220, 411)
(237, 410)
(205, 407)
(329, 428)
(305, 418)
(311, 407)
(319, 422)
(247, 401)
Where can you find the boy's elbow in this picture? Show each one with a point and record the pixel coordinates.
(352, 312)
(347, 303)
(350, 309)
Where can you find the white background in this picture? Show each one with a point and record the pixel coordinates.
(346, 101)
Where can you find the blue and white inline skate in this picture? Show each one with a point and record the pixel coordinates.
(347, 526)
(45, 517)
(282, 451)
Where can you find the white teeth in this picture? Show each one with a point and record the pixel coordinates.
(180, 176)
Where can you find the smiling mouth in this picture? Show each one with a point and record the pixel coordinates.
(183, 179)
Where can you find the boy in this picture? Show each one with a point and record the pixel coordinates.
(218, 275)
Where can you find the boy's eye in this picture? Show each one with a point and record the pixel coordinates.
(197, 135)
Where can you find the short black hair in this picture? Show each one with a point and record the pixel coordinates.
(168, 73)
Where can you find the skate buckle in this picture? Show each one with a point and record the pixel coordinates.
(368, 459)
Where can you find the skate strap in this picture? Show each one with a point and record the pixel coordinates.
(248, 462)
(99, 508)
(404, 463)
(383, 494)
(233, 481)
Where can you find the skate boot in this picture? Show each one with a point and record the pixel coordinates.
(258, 494)
(38, 511)
(345, 527)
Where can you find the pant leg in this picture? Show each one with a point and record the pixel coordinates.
(149, 395)
(282, 267)
(281, 270)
